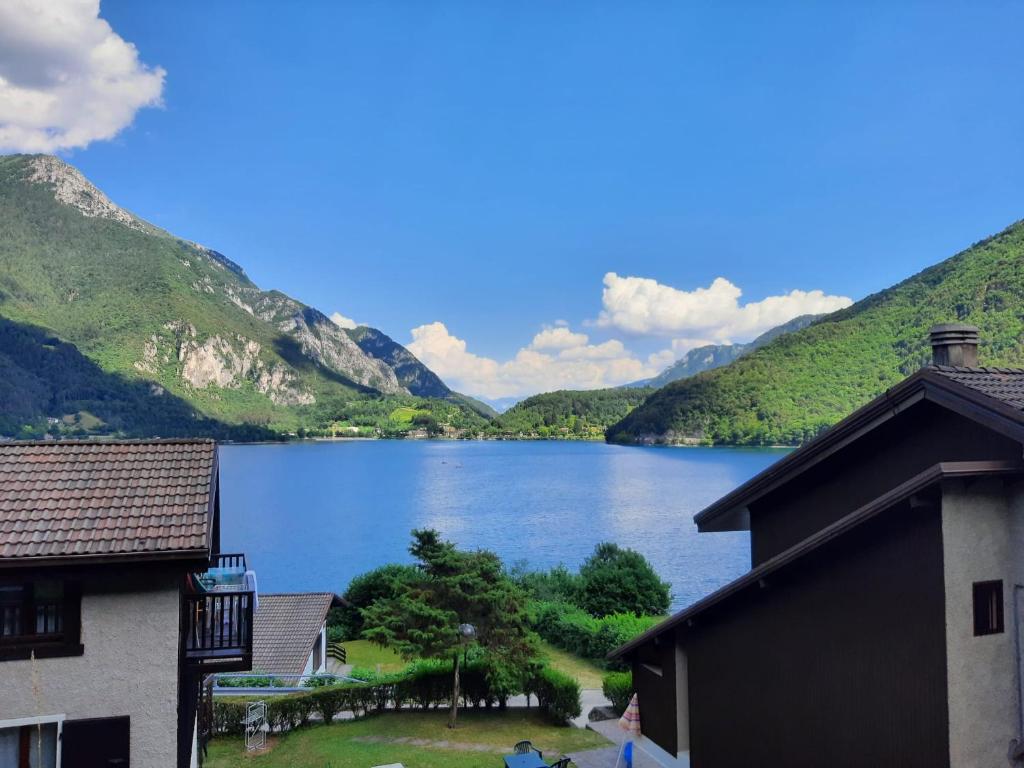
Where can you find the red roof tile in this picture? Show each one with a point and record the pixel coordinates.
(60, 499)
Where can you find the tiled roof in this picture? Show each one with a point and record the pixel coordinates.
(80, 498)
(284, 629)
(1004, 384)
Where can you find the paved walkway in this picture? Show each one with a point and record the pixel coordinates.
(608, 757)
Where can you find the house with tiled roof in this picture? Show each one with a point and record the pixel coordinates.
(115, 601)
(290, 633)
(882, 621)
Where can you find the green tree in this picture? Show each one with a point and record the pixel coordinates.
(429, 615)
(364, 590)
(618, 580)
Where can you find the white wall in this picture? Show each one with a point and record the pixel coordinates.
(129, 667)
(983, 540)
(322, 640)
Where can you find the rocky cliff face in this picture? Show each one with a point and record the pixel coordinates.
(411, 373)
(71, 188)
(218, 361)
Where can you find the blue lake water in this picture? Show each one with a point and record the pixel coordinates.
(310, 516)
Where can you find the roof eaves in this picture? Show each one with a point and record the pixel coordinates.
(864, 419)
(105, 558)
(873, 508)
(927, 383)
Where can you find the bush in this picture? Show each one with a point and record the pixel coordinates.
(558, 693)
(426, 684)
(363, 591)
(556, 585)
(336, 632)
(618, 689)
(319, 681)
(256, 680)
(617, 580)
(576, 631)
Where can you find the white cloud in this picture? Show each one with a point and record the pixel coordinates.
(343, 322)
(559, 337)
(643, 306)
(532, 369)
(66, 78)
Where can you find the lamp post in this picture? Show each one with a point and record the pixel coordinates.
(467, 633)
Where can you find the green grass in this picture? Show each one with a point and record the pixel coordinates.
(372, 741)
(586, 672)
(363, 653)
(404, 414)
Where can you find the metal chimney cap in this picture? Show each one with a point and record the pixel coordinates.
(959, 329)
(955, 344)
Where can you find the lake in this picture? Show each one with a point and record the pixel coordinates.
(312, 515)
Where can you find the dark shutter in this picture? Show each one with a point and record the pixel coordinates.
(101, 742)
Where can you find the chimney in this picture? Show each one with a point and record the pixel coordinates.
(954, 344)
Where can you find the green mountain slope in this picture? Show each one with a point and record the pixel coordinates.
(801, 383)
(569, 413)
(711, 356)
(147, 306)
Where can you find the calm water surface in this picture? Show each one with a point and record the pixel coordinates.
(310, 516)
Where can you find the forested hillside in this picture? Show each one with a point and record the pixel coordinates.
(801, 383)
(569, 413)
(712, 356)
(146, 307)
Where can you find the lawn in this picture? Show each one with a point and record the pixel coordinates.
(363, 653)
(479, 741)
(587, 673)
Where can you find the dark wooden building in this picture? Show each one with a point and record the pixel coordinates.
(879, 624)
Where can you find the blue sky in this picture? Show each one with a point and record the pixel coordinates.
(476, 170)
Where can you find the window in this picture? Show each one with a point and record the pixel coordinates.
(988, 608)
(40, 617)
(32, 744)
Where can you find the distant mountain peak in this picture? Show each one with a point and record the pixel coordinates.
(71, 188)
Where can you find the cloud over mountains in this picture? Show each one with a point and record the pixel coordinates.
(642, 308)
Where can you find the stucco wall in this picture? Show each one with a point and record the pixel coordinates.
(982, 541)
(129, 667)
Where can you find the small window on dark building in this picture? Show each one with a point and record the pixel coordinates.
(988, 607)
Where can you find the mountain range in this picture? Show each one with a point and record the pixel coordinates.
(142, 305)
(799, 384)
(110, 325)
(709, 356)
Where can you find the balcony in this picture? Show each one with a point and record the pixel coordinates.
(217, 608)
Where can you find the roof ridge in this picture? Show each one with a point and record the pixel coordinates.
(120, 441)
(295, 594)
(974, 369)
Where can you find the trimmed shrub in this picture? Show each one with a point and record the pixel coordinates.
(256, 680)
(558, 693)
(618, 689)
(426, 684)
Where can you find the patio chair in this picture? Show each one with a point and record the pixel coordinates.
(525, 746)
(562, 762)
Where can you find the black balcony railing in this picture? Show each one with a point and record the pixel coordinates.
(217, 630)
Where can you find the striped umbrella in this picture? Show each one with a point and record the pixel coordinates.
(630, 720)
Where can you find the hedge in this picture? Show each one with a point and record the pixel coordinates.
(557, 693)
(618, 689)
(425, 684)
(576, 631)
